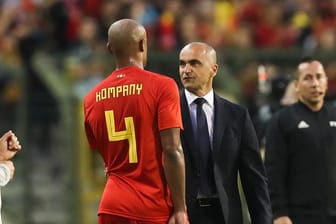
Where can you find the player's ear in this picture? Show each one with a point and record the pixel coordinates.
(142, 46)
(108, 46)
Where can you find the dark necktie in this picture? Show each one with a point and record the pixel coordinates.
(203, 143)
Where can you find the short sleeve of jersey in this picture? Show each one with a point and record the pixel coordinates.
(169, 111)
(90, 136)
(88, 130)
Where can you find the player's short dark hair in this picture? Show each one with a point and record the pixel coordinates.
(305, 59)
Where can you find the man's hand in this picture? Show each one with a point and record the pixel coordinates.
(9, 146)
(282, 220)
(178, 218)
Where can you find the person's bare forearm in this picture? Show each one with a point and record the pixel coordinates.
(175, 175)
(174, 167)
(282, 220)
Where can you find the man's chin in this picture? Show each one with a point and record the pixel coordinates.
(185, 84)
(315, 101)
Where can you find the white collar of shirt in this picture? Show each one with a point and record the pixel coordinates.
(208, 108)
(209, 97)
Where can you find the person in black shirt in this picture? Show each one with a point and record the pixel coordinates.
(300, 156)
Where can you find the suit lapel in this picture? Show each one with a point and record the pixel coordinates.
(220, 124)
(220, 121)
(188, 137)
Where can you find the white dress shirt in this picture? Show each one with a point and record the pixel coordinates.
(208, 108)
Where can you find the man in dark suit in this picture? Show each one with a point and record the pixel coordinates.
(232, 147)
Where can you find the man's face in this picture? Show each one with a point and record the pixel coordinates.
(196, 70)
(312, 82)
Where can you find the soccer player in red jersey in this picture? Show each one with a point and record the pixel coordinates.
(133, 119)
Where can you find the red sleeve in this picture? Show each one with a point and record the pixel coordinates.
(169, 111)
(88, 130)
(90, 137)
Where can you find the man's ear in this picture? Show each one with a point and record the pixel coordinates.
(108, 46)
(215, 69)
(142, 45)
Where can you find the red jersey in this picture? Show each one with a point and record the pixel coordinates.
(123, 116)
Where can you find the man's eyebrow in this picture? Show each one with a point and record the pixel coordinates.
(192, 61)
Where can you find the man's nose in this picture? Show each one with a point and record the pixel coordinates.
(315, 81)
(187, 68)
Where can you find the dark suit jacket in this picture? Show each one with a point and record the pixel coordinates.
(235, 148)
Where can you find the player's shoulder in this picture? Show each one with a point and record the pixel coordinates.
(159, 81)
(158, 76)
(91, 94)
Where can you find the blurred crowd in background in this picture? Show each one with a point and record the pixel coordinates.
(65, 40)
(75, 31)
(59, 24)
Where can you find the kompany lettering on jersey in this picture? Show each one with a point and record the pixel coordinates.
(119, 91)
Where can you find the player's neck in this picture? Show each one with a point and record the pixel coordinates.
(121, 63)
